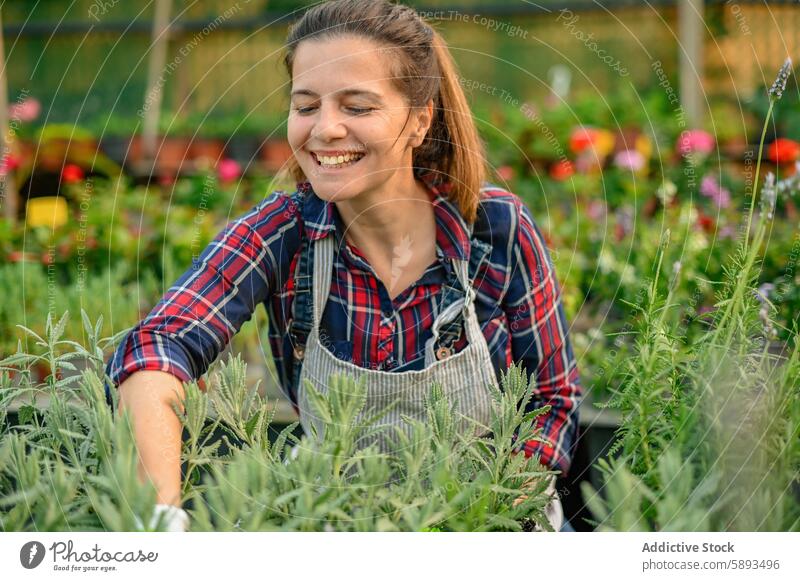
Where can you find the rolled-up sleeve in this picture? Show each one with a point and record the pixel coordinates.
(540, 343)
(196, 318)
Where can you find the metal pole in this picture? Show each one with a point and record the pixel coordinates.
(691, 30)
(155, 68)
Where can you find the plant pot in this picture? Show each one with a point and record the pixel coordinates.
(275, 153)
(135, 151)
(172, 154)
(40, 371)
(209, 150)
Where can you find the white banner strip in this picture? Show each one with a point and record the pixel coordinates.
(229, 556)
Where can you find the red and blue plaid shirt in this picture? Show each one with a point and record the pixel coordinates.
(253, 260)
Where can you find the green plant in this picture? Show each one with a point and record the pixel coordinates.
(710, 434)
(432, 477)
(76, 451)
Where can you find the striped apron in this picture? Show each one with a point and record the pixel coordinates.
(464, 376)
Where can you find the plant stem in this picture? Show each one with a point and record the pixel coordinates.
(749, 252)
(758, 169)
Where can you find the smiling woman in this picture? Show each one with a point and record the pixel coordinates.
(393, 261)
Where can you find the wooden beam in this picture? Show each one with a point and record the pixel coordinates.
(155, 83)
(9, 196)
(691, 31)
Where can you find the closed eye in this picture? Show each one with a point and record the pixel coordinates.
(355, 110)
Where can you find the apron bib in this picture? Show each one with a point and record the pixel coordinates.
(464, 376)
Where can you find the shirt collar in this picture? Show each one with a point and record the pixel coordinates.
(452, 235)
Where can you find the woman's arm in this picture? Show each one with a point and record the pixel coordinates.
(540, 342)
(191, 325)
(148, 395)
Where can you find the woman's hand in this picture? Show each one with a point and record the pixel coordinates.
(554, 511)
(173, 518)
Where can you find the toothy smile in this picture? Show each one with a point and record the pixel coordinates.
(334, 161)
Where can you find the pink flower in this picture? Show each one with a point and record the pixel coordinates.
(630, 159)
(505, 172)
(596, 210)
(26, 110)
(711, 189)
(695, 141)
(228, 170)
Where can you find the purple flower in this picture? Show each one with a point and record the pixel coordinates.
(711, 189)
(762, 294)
(629, 159)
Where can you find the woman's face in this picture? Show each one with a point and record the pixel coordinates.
(344, 103)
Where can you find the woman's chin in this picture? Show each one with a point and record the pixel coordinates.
(332, 192)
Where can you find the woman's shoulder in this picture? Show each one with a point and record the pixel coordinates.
(278, 214)
(499, 214)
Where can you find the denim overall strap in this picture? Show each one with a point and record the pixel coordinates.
(300, 325)
(451, 331)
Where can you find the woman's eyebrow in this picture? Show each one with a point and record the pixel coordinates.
(343, 92)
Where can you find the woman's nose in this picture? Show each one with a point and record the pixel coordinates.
(328, 125)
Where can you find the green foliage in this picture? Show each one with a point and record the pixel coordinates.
(710, 434)
(70, 464)
(432, 477)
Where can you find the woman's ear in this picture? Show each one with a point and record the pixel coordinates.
(422, 123)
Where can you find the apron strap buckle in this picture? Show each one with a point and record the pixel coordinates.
(443, 352)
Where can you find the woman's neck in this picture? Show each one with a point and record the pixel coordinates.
(395, 231)
(387, 219)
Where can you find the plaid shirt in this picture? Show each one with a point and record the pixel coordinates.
(253, 259)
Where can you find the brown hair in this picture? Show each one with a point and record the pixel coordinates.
(424, 70)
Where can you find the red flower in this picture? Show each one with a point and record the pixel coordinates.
(166, 180)
(64, 250)
(9, 163)
(582, 138)
(71, 174)
(784, 150)
(16, 256)
(706, 222)
(562, 170)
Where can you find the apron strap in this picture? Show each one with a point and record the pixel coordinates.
(458, 294)
(451, 330)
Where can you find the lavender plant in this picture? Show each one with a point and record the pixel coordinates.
(432, 477)
(711, 432)
(70, 464)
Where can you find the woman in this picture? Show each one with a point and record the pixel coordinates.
(393, 260)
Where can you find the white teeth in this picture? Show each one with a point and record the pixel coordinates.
(337, 160)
